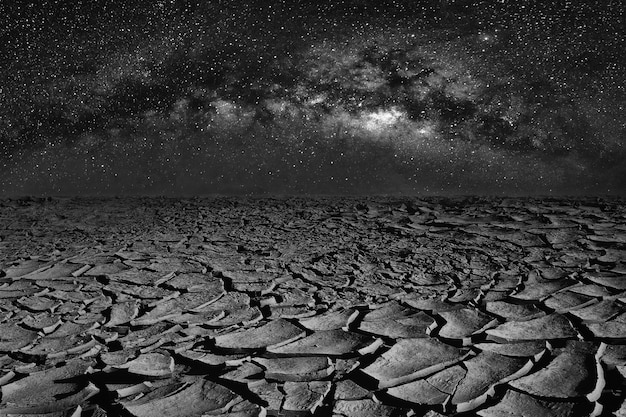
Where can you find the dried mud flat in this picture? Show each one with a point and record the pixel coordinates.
(344, 307)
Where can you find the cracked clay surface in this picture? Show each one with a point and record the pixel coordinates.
(325, 307)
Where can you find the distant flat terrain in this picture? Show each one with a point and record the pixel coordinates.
(394, 306)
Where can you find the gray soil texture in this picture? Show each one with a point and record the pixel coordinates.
(398, 306)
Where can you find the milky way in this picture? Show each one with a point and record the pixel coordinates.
(292, 97)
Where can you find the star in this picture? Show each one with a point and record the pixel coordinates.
(273, 96)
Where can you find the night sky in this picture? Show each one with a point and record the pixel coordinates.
(195, 97)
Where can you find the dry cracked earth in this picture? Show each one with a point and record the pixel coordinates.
(327, 307)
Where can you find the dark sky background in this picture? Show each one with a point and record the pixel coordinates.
(301, 96)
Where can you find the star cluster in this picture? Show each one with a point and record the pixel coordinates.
(355, 96)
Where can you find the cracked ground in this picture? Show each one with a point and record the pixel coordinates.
(326, 307)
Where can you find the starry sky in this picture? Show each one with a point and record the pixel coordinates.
(190, 97)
